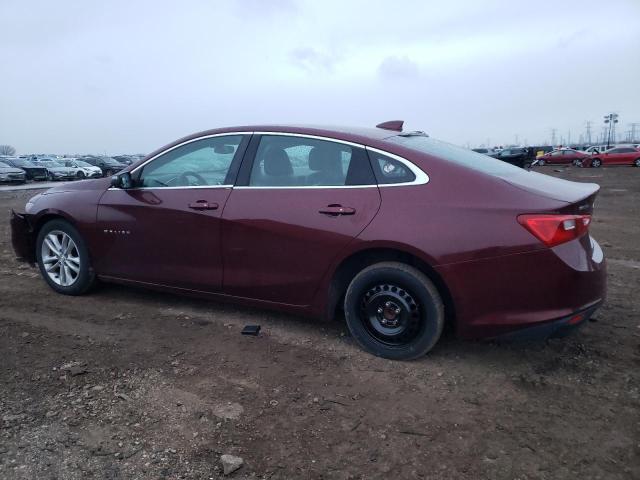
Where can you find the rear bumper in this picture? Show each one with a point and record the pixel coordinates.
(498, 296)
(22, 238)
(555, 328)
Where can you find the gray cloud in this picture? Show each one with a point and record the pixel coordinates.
(399, 67)
(124, 76)
(312, 60)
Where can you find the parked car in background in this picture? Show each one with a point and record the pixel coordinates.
(127, 159)
(55, 169)
(563, 156)
(401, 231)
(614, 156)
(9, 174)
(518, 156)
(83, 169)
(485, 151)
(593, 149)
(108, 165)
(31, 170)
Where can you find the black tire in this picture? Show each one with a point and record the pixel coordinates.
(596, 163)
(85, 277)
(80, 175)
(541, 162)
(416, 316)
(637, 162)
(50, 177)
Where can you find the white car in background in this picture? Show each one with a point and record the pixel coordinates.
(82, 169)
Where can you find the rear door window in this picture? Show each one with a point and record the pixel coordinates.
(298, 161)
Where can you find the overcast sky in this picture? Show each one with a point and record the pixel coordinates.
(129, 76)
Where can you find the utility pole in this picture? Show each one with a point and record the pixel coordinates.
(553, 137)
(610, 121)
(588, 133)
(634, 126)
(569, 138)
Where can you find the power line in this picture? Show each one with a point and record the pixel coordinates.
(588, 132)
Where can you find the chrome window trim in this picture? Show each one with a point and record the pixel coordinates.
(170, 188)
(299, 187)
(421, 177)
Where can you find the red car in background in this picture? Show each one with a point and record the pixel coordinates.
(400, 231)
(614, 156)
(563, 156)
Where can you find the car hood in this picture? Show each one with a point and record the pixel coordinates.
(99, 184)
(59, 169)
(551, 187)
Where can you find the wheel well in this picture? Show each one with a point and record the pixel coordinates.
(43, 220)
(354, 264)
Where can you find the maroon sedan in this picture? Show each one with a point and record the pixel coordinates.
(403, 232)
(563, 156)
(614, 156)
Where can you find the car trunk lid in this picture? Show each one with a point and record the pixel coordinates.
(579, 196)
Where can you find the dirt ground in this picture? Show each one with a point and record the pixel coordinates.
(126, 383)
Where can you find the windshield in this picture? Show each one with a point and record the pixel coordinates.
(459, 155)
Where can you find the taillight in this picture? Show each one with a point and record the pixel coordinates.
(553, 230)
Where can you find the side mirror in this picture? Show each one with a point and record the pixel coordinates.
(122, 180)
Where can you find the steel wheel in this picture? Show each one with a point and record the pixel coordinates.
(60, 258)
(390, 314)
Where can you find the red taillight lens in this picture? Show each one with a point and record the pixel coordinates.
(553, 230)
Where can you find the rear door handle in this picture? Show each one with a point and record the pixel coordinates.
(335, 210)
(203, 205)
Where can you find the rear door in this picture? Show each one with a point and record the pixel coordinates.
(166, 230)
(626, 156)
(298, 202)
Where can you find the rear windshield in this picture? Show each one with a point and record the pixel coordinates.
(459, 155)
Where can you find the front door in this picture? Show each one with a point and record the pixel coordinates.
(297, 205)
(166, 229)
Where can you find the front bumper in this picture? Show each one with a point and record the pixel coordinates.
(22, 238)
(13, 179)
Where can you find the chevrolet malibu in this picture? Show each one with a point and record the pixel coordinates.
(404, 233)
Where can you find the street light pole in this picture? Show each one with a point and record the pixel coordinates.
(611, 120)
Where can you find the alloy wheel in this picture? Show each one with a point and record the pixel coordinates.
(61, 258)
(390, 314)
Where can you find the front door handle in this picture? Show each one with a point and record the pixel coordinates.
(335, 210)
(203, 205)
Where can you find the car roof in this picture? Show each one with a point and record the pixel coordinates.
(360, 135)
